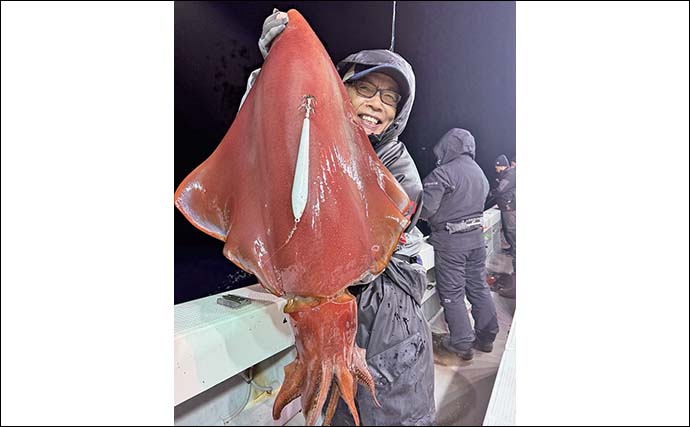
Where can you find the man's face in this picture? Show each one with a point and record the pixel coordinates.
(500, 169)
(374, 115)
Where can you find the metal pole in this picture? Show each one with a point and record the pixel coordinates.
(392, 49)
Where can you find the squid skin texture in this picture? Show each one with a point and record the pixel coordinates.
(324, 337)
(354, 215)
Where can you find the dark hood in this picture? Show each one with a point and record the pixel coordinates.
(453, 144)
(370, 58)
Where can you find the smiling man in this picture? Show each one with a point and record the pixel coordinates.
(375, 112)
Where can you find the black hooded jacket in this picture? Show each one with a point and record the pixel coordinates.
(504, 194)
(454, 191)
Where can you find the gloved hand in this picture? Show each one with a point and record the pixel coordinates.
(273, 25)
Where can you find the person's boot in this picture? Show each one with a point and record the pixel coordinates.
(486, 347)
(463, 354)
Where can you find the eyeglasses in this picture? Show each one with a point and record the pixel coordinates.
(368, 90)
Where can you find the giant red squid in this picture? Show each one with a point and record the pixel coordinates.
(298, 195)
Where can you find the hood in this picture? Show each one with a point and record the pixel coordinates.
(371, 58)
(453, 144)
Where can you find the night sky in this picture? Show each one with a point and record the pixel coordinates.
(462, 53)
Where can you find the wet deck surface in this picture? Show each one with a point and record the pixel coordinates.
(463, 388)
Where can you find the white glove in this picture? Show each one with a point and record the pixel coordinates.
(273, 25)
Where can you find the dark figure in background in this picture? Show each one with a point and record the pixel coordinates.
(391, 326)
(454, 196)
(504, 195)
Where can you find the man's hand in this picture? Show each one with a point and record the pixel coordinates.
(273, 25)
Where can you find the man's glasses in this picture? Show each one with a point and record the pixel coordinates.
(368, 90)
